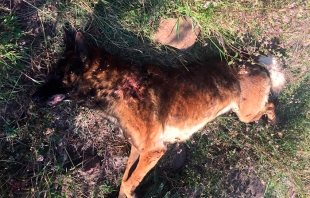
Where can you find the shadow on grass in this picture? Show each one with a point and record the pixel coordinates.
(131, 44)
(294, 112)
(292, 136)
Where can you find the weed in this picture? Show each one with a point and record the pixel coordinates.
(9, 130)
(12, 48)
(12, 54)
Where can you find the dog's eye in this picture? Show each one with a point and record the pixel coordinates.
(71, 72)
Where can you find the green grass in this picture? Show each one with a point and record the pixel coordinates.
(36, 143)
(12, 53)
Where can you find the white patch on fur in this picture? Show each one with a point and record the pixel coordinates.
(233, 106)
(276, 72)
(173, 134)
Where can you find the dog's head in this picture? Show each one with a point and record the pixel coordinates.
(68, 71)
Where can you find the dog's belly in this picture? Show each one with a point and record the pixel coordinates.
(174, 134)
(184, 131)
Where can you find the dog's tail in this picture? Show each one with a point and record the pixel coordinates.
(277, 74)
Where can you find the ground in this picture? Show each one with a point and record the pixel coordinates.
(78, 153)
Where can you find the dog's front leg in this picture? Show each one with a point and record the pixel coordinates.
(132, 160)
(147, 161)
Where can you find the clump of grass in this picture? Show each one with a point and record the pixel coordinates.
(12, 48)
(12, 54)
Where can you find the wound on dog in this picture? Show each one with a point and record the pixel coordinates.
(132, 88)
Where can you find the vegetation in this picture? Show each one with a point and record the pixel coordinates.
(53, 152)
(12, 52)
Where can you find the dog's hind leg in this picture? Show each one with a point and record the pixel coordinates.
(270, 112)
(251, 114)
(147, 160)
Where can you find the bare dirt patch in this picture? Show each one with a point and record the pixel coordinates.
(241, 183)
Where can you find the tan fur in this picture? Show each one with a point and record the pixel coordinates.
(155, 106)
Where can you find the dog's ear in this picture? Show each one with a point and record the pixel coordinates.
(69, 38)
(81, 47)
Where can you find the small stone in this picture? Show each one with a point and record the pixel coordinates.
(182, 38)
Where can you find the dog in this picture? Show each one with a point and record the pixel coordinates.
(155, 106)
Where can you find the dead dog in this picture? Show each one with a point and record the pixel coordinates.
(156, 106)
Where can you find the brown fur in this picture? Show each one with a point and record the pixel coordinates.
(156, 106)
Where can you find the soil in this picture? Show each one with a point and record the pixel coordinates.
(240, 183)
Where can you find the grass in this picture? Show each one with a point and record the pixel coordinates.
(12, 52)
(43, 150)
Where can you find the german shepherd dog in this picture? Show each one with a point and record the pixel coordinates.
(155, 106)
